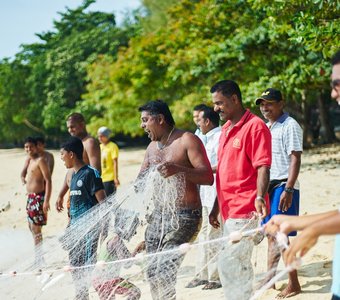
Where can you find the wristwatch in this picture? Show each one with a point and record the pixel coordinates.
(289, 190)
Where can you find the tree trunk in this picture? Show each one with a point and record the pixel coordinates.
(327, 131)
(305, 121)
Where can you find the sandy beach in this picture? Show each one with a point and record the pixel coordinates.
(320, 190)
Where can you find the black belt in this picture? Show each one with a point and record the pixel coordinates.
(275, 183)
(187, 211)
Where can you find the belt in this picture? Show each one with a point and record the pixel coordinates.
(187, 211)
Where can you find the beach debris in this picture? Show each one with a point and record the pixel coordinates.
(5, 207)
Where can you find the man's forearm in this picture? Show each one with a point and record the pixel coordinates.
(115, 166)
(262, 180)
(48, 190)
(201, 176)
(301, 222)
(63, 190)
(327, 226)
(294, 169)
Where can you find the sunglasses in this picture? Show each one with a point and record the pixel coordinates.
(335, 83)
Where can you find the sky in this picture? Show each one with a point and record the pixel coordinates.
(21, 19)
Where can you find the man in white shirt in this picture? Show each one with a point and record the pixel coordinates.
(283, 187)
(206, 268)
(197, 109)
(314, 225)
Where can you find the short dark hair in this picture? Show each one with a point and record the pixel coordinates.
(157, 107)
(77, 117)
(75, 145)
(199, 107)
(227, 88)
(31, 140)
(40, 140)
(336, 58)
(209, 113)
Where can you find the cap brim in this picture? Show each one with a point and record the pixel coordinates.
(258, 100)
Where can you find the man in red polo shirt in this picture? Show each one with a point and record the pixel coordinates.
(242, 178)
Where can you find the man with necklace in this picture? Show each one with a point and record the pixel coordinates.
(172, 152)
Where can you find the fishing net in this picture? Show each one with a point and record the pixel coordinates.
(135, 244)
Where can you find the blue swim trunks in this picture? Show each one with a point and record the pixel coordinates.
(275, 201)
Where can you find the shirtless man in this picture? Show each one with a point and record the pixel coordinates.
(38, 186)
(172, 151)
(43, 153)
(76, 126)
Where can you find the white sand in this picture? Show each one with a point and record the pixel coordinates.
(319, 179)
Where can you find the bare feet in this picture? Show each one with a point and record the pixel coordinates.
(196, 282)
(289, 291)
(212, 285)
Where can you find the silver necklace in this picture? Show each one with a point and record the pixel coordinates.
(161, 146)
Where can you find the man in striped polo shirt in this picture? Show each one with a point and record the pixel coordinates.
(284, 186)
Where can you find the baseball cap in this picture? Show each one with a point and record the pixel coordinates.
(271, 95)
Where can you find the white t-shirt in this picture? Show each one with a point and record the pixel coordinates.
(202, 137)
(208, 192)
(286, 138)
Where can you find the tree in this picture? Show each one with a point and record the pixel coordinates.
(48, 78)
(258, 43)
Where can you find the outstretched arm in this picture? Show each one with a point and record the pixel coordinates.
(286, 224)
(309, 236)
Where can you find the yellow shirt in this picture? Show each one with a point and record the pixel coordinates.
(109, 153)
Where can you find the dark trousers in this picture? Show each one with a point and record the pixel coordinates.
(109, 187)
(163, 233)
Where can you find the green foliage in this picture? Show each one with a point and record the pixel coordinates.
(173, 50)
(157, 14)
(14, 104)
(257, 43)
(47, 79)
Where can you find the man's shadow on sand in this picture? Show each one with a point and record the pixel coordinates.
(319, 275)
(323, 270)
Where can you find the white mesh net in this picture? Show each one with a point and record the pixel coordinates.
(81, 263)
